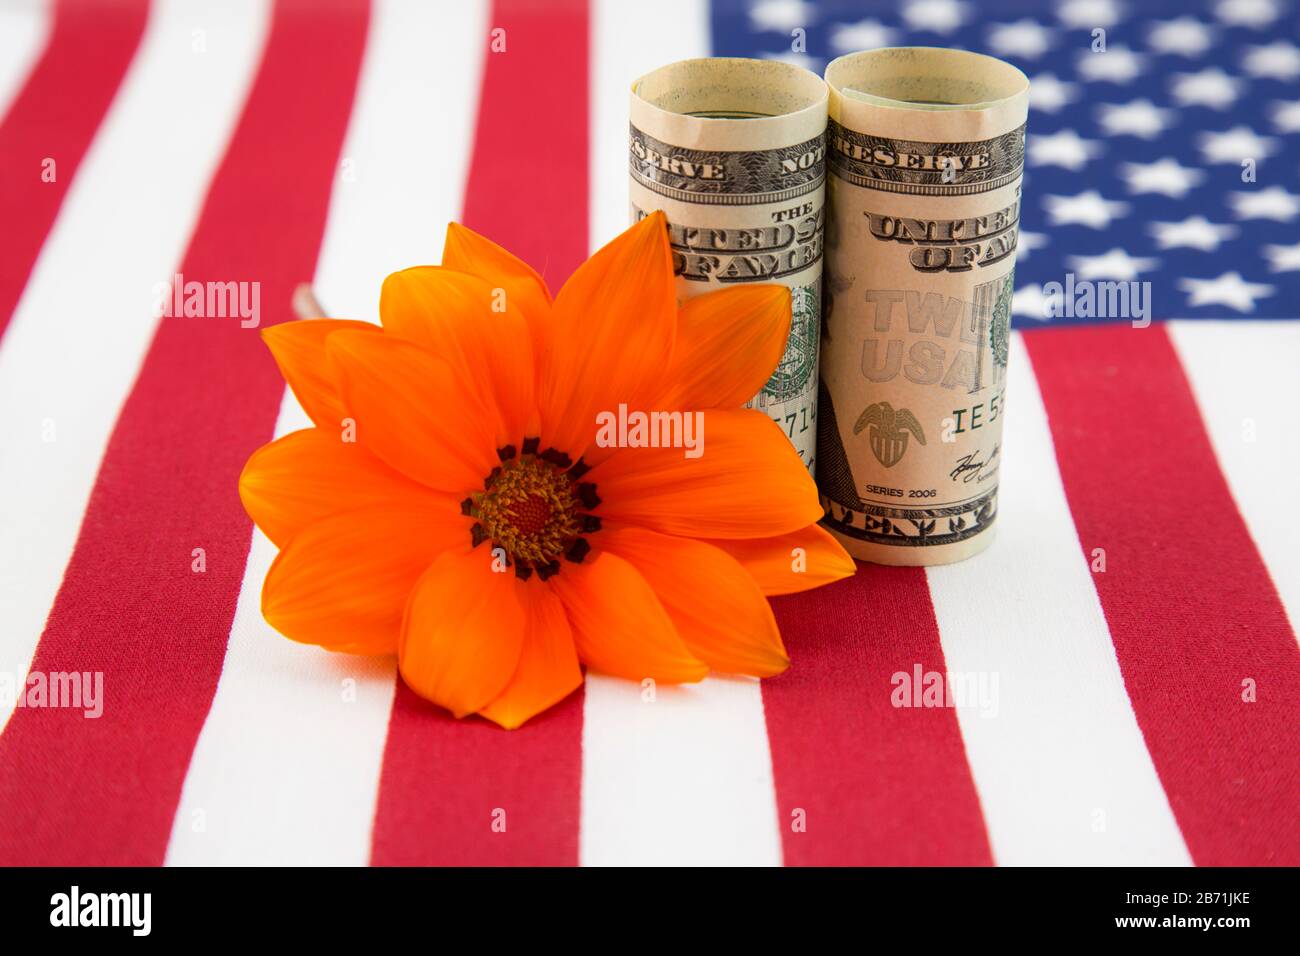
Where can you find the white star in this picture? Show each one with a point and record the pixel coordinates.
(1228, 289)
(1089, 13)
(1024, 38)
(1164, 176)
(1210, 87)
(1049, 94)
(1185, 36)
(1236, 144)
(1116, 264)
(1279, 60)
(1195, 232)
(1283, 258)
(1140, 118)
(939, 16)
(1029, 300)
(782, 15)
(1272, 203)
(1062, 149)
(1118, 64)
(1286, 115)
(1027, 242)
(863, 35)
(1247, 13)
(1085, 209)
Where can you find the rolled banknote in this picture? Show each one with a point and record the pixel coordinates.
(926, 149)
(733, 151)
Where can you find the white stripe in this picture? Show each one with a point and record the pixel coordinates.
(624, 46)
(686, 779)
(1062, 771)
(682, 779)
(1244, 375)
(286, 770)
(85, 320)
(24, 28)
(406, 158)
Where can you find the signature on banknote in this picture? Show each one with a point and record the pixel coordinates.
(971, 467)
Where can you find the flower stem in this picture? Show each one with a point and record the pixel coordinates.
(305, 303)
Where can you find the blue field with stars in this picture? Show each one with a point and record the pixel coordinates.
(1163, 141)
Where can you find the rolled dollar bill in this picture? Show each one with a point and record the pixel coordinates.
(926, 149)
(734, 152)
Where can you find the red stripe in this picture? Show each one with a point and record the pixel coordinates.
(84, 791)
(443, 781)
(54, 117)
(546, 54)
(876, 784)
(445, 784)
(1190, 605)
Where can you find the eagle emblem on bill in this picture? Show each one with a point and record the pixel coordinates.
(888, 431)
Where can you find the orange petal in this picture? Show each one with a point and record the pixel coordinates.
(748, 482)
(343, 582)
(727, 623)
(466, 251)
(466, 320)
(548, 669)
(728, 344)
(611, 335)
(619, 625)
(463, 632)
(799, 561)
(311, 474)
(414, 410)
(299, 351)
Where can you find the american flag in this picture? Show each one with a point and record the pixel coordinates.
(1162, 136)
(1128, 676)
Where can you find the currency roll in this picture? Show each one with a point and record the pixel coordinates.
(926, 149)
(734, 152)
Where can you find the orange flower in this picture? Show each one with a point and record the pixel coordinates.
(452, 503)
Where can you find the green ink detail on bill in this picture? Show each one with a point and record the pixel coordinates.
(1000, 327)
(798, 366)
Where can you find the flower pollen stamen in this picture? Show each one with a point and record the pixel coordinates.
(534, 510)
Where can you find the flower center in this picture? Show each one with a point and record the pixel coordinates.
(529, 508)
(535, 509)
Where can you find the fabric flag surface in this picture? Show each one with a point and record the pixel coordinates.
(1118, 676)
